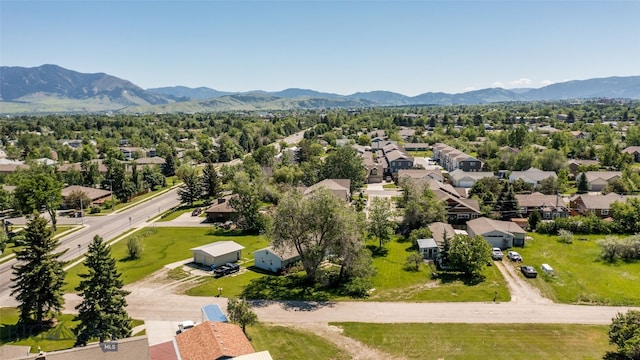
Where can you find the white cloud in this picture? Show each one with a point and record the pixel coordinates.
(546, 82)
(470, 88)
(520, 82)
(497, 84)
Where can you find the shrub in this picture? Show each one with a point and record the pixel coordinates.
(413, 262)
(358, 287)
(134, 247)
(577, 225)
(565, 236)
(95, 210)
(626, 249)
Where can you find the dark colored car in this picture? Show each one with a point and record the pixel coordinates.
(226, 269)
(528, 271)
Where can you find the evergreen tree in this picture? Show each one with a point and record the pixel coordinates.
(211, 181)
(169, 167)
(102, 313)
(534, 219)
(39, 275)
(582, 184)
(191, 189)
(507, 202)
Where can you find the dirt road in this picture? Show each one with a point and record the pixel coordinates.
(521, 291)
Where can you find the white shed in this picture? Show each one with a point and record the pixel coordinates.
(428, 248)
(217, 253)
(274, 260)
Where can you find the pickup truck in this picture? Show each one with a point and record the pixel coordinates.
(226, 269)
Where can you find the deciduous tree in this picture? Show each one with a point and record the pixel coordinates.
(240, 312)
(191, 188)
(469, 254)
(37, 188)
(381, 223)
(624, 332)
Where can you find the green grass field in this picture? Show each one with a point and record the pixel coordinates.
(483, 341)
(580, 275)
(162, 246)
(393, 283)
(288, 343)
(57, 338)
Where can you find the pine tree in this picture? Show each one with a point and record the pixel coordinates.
(169, 167)
(102, 313)
(39, 275)
(582, 184)
(507, 202)
(211, 181)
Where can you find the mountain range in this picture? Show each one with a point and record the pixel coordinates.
(53, 89)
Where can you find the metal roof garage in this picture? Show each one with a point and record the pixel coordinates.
(217, 253)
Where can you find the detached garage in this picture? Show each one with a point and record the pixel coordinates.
(274, 260)
(217, 253)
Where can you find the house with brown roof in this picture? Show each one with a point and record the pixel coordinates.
(130, 348)
(220, 211)
(501, 234)
(373, 167)
(634, 151)
(598, 205)
(96, 196)
(451, 159)
(598, 180)
(102, 168)
(440, 230)
(338, 187)
(416, 146)
(459, 208)
(213, 341)
(549, 206)
(574, 165)
(420, 175)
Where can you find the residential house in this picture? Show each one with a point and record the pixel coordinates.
(549, 206)
(275, 260)
(634, 151)
(397, 160)
(220, 211)
(440, 231)
(214, 341)
(598, 205)
(406, 133)
(375, 169)
(580, 135)
(416, 146)
(465, 179)
(11, 166)
(217, 253)
(532, 176)
(136, 347)
(574, 165)
(459, 208)
(420, 175)
(338, 187)
(452, 159)
(598, 180)
(96, 196)
(102, 168)
(149, 161)
(501, 234)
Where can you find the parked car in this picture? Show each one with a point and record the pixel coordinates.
(197, 211)
(528, 271)
(514, 256)
(226, 269)
(496, 254)
(185, 325)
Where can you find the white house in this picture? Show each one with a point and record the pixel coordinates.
(217, 253)
(428, 248)
(500, 234)
(275, 260)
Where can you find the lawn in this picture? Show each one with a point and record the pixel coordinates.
(580, 276)
(57, 338)
(427, 153)
(393, 283)
(162, 246)
(288, 343)
(176, 212)
(483, 341)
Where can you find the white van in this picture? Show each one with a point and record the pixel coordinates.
(185, 325)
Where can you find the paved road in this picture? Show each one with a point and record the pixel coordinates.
(108, 227)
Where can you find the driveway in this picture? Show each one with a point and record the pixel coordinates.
(521, 291)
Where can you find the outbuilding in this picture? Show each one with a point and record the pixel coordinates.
(217, 253)
(275, 260)
(428, 248)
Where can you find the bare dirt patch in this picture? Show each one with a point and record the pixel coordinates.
(521, 291)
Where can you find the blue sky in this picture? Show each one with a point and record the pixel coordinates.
(410, 47)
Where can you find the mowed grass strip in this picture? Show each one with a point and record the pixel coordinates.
(288, 343)
(163, 246)
(580, 276)
(393, 283)
(483, 341)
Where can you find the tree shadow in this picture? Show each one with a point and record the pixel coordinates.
(377, 251)
(19, 331)
(290, 287)
(448, 277)
(226, 232)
